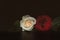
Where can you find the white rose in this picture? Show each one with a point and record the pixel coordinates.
(27, 23)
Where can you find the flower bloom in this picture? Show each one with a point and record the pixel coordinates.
(27, 23)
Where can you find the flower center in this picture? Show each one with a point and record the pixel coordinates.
(28, 23)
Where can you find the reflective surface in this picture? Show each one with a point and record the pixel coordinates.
(33, 35)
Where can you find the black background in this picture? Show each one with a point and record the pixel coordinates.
(11, 11)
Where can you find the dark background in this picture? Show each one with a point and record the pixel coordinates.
(11, 11)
